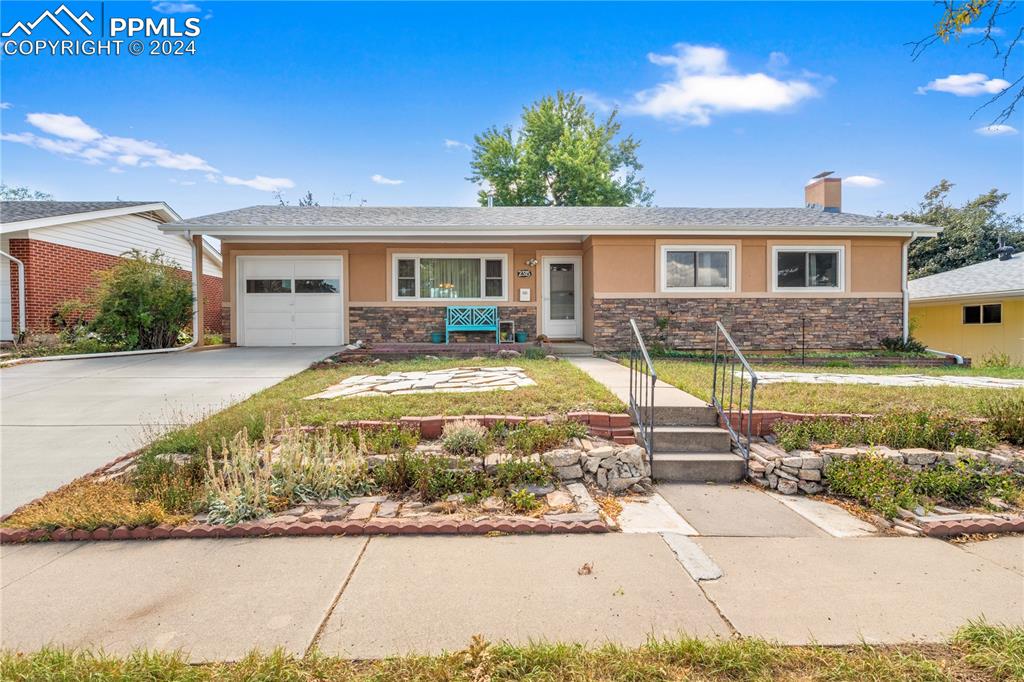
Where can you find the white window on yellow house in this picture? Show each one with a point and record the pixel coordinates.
(988, 313)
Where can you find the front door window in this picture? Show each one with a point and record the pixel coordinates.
(562, 277)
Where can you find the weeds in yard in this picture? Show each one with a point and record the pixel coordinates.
(530, 437)
(887, 486)
(89, 505)
(978, 652)
(386, 440)
(522, 500)
(177, 488)
(1005, 413)
(523, 471)
(895, 429)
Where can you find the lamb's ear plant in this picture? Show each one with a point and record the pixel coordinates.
(310, 466)
(240, 487)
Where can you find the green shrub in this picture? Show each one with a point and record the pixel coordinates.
(439, 479)
(534, 353)
(996, 360)
(879, 483)
(885, 485)
(896, 344)
(400, 473)
(522, 500)
(523, 471)
(1005, 413)
(896, 429)
(142, 302)
(465, 438)
(529, 437)
(176, 488)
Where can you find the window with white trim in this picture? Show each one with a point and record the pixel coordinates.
(450, 277)
(800, 267)
(989, 313)
(689, 268)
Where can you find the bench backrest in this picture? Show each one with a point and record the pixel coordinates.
(472, 316)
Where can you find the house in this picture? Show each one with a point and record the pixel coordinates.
(975, 311)
(777, 277)
(63, 244)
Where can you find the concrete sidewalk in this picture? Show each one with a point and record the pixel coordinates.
(616, 378)
(60, 420)
(370, 597)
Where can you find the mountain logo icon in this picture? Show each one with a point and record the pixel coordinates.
(78, 20)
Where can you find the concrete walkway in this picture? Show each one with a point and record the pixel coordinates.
(369, 597)
(60, 420)
(616, 378)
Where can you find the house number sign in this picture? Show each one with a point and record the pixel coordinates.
(523, 273)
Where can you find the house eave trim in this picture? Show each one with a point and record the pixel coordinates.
(159, 207)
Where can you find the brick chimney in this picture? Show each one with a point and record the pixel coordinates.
(824, 193)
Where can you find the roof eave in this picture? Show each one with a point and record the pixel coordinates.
(966, 296)
(159, 207)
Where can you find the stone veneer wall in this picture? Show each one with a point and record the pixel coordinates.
(413, 324)
(756, 323)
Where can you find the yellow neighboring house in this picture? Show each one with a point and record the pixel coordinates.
(976, 311)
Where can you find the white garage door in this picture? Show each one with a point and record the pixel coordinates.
(290, 301)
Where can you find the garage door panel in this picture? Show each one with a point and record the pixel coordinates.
(310, 314)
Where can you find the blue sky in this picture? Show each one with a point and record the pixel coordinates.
(736, 104)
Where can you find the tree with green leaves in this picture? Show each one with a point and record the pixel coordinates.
(971, 233)
(13, 193)
(560, 156)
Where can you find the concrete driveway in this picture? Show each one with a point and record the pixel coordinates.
(59, 420)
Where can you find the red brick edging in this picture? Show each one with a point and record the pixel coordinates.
(266, 529)
(972, 527)
(617, 427)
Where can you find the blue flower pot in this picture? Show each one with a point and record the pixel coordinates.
(436, 337)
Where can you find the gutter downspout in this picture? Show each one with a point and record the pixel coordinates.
(196, 253)
(21, 290)
(905, 269)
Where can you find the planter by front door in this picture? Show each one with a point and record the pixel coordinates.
(561, 296)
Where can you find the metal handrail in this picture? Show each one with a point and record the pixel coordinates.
(727, 410)
(642, 379)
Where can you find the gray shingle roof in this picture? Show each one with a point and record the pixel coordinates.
(473, 217)
(990, 277)
(17, 211)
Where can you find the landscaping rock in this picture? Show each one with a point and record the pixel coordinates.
(569, 472)
(810, 487)
(810, 475)
(457, 498)
(336, 514)
(552, 358)
(563, 457)
(558, 498)
(919, 456)
(795, 462)
(617, 485)
(178, 459)
(362, 512)
(536, 490)
(492, 504)
(787, 486)
(363, 500)
(388, 509)
(508, 353)
(812, 462)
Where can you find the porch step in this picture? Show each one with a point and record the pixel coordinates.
(690, 439)
(697, 467)
(685, 415)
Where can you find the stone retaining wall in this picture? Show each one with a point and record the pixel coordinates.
(756, 323)
(413, 324)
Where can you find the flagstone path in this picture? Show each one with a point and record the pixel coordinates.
(452, 380)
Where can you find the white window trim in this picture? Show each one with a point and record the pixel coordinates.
(503, 257)
(728, 248)
(840, 280)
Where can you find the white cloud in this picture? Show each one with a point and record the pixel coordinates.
(212, 177)
(62, 125)
(260, 182)
(997, 129)
(966, 85)
(778, 60)
(454, 144)
(978, 30)
(175, 7)
(183, 183)
(862, 181)
(381, 180)
(705, 85)
(115, 169)
(5, 105)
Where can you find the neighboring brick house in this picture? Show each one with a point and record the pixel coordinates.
(777, 277)
(63, 244)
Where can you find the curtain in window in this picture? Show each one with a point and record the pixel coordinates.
(449, 278)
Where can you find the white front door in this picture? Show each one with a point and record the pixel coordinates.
(561, 296)
(290, 301)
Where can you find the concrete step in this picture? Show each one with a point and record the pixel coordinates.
(685, 415)
(691, 439)
(698, 467)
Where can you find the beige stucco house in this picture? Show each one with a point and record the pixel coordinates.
(776, 277)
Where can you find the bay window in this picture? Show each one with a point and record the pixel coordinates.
(799, 267)
(449, 277)
(698, 268)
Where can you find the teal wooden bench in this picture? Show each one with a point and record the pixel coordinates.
(471, 318)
